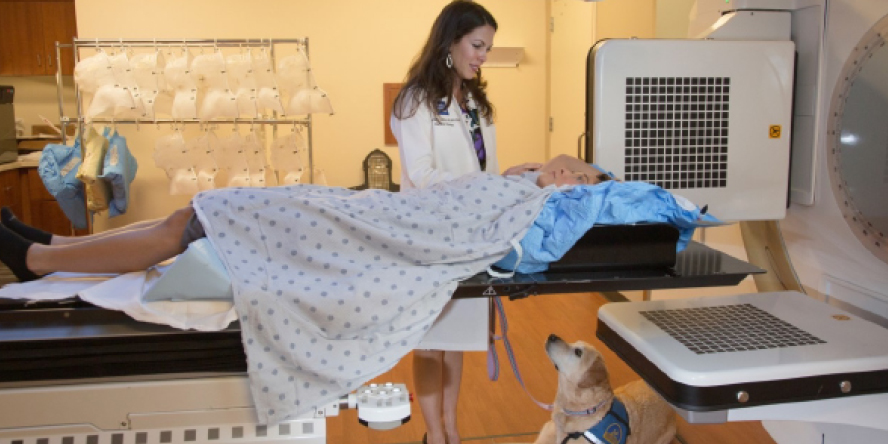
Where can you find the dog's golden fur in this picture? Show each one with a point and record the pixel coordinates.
(583, 383)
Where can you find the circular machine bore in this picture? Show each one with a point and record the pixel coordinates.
(857, 140)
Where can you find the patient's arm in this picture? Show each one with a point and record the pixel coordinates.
(520, 169)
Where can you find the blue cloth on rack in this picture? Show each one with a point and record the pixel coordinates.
(58, 169)
(119, 170)
(568, 214)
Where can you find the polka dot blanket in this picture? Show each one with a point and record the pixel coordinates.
(332, 286)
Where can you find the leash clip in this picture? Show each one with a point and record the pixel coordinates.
(530, 290)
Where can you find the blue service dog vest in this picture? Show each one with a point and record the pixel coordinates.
(613, 428)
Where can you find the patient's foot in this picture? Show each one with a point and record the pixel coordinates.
(24, 230)
(14, 253)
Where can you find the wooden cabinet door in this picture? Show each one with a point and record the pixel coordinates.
(28, 32)
(10, 190)
(21, 39)
(59, 25)
(43, 210)
(48, 216)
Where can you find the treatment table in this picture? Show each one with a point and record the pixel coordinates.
(72, 373)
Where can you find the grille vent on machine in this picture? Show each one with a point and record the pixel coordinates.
(729, 328)
(677, 131)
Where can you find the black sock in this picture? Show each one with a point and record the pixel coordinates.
(24, 230)
(14, 253)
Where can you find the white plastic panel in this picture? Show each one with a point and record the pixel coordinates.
(800, 21)
(709, 120)
(724, 340)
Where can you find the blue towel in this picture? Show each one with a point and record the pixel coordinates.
(119, 170)
(58, 169)
(568, 214)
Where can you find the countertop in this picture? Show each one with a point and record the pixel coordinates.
(30, 160)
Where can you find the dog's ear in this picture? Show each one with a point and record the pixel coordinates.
(595, 375)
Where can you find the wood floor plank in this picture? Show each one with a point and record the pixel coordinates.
(500, 412)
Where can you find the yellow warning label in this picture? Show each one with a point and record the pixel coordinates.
(774, 131)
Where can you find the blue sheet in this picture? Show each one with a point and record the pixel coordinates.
(569, 213)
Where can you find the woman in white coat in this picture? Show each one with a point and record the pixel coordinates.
(443, 122)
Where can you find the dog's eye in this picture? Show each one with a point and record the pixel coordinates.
(578, 352)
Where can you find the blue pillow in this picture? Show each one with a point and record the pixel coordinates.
(568, 214)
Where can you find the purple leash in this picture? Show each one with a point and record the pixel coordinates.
(493, 360)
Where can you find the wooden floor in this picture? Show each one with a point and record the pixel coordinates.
(500, 412)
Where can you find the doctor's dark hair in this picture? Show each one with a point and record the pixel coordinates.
(429, 79)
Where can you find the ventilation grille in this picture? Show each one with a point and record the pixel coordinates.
(729, 328)
(223, 434)
(677, 131)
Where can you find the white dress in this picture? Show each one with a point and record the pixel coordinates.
(434, 148)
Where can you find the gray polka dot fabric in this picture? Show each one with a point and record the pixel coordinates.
(332, 287)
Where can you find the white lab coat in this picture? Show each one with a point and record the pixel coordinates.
(436, 150)
(438, 147)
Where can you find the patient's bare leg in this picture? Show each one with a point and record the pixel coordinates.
(118, 252)
(9, 220)
(67, 240)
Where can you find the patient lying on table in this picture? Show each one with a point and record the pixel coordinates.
(332, 287)
(31, 253)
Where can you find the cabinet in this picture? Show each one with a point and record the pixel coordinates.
(28, 32)
(23, 192)
(10, 191)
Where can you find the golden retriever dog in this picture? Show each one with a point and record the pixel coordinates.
(585, 396)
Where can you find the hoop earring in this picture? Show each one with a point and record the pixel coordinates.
(449, 61)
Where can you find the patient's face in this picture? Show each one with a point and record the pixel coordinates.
(563, 176)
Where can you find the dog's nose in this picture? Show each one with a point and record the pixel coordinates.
(553, 338)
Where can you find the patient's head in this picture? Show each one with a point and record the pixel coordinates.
(563, 176)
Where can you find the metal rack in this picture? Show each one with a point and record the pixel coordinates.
(270, 44)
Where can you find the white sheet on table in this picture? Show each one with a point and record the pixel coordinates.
(124, 293)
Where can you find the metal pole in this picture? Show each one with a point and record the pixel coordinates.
(101, 43)
(59, 86)
(310, 142)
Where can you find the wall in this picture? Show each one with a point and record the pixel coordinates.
(673, 17)
(571, 37)
(37, 96)
(625, 19)
(575, 27)
(355, 47)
